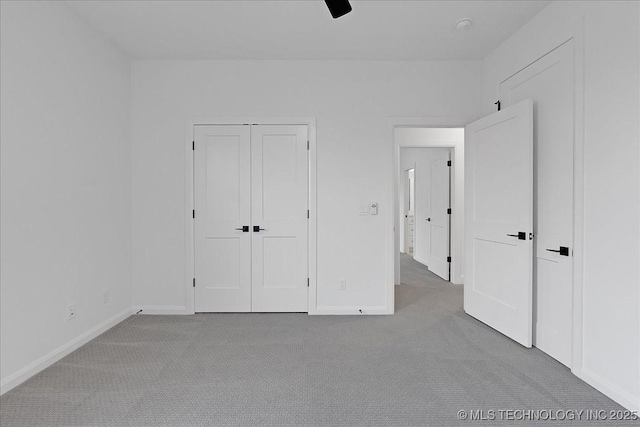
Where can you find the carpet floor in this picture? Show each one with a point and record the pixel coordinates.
(419, 367)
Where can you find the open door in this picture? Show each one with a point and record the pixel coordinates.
(499, 221)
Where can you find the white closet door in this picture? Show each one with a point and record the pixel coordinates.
(279, 186)
(549, 82)
(222, 205)
(438, 216)
(499, 220)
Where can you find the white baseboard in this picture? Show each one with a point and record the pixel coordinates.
(608, 389)
(339, 310)
(44, 362)
(325, 310)
(154, 309)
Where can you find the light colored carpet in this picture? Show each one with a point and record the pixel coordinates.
(418, 367)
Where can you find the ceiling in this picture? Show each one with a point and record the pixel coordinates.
(304, 29)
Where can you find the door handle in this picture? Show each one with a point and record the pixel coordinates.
(564, 251)
(429, 219)
(257, 229)
(521, 235)
(244, 229)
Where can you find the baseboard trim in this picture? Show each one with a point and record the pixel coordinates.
(333, 310)
(161, 310)
(608, 389)
(49, 359)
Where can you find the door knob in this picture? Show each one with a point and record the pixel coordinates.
(429, 219)
(521, 235)
(244, 229)
(257, 229)
(564, 251)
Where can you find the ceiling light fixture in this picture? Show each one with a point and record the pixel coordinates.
(463, 24)
(338, 8)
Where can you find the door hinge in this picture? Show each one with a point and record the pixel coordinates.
(194, 282)
(194, 213)
(498, 103)
(307, 282)
(307, 213)
(448, 259)
(448, 162)
(449, 211)
(193, 145)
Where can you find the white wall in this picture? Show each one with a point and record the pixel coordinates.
(66, 197)
(610, 351)
(351, 101)
(440, 137)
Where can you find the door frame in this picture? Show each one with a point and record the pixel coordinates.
(308, 121)
(392, 241)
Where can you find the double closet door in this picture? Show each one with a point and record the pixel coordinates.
(251, 218)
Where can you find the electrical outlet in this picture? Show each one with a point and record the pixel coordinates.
(105, 296)
(71, 312)
(343, 285)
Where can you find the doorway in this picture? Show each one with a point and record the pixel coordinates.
(427, 207)
(443, 253)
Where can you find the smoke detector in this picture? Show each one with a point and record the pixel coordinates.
(463, 24)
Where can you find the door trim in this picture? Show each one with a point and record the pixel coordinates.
(308, 121)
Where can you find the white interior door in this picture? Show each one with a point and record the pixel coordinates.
(222, 206)
(499, 221)
(549, 82)
(438, 215)
(279, 217)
